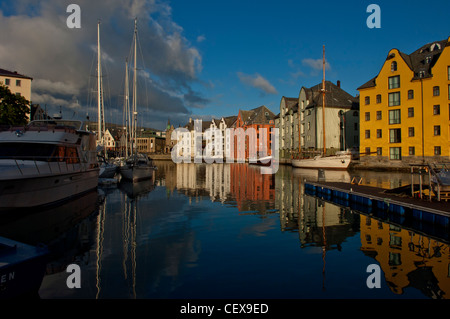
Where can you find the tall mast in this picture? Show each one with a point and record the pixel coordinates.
(134, 87)
(323, 104)
(126, 108)
(99, 87)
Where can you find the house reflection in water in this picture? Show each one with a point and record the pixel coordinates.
(318, 223)
(408, 259)
(240, 185)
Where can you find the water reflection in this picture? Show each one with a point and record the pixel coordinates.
(407, 258)
(227, 231)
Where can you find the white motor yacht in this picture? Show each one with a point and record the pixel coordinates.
(46, 162)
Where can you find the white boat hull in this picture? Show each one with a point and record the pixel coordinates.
(45, 189)
(328, 162)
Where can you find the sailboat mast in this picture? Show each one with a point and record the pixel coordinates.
(99, 83)
(134, 87)
(323, 104)
(126, 107)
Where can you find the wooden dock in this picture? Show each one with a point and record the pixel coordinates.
(370, 199)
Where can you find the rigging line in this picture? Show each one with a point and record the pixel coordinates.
(89, 87)
(144, 68)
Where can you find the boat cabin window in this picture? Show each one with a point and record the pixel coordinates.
(39, 152)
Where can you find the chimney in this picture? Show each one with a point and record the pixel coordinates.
(339, 84)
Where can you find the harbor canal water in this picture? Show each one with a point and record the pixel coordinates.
(227, 231)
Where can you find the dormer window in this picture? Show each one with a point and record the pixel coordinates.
(435, 46)
(428, 60)
(394, 66)
(421, 74)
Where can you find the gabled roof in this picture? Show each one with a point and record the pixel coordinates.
(334, 96)
(14, 74)
(259, 115)
(229, 120)
(421, 61)
(291, 103)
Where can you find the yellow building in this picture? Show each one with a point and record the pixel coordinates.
(17, 83)
(405, 109)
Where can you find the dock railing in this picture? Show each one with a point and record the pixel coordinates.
(434, 179)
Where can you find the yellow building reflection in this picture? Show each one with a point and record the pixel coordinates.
(408, 259)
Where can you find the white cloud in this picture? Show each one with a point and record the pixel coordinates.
(257, 81)
(44, 85)
(316, 64)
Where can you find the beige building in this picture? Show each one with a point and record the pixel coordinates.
(17, 83)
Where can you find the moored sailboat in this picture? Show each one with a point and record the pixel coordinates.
(341, 160)
(137, 166)
(107, 169)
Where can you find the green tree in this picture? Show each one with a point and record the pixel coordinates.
(13, 108)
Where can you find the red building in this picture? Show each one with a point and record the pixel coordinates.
(256, 119)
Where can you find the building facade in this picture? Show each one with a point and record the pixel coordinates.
(405, 109)
(17, 83)
(300, 121)
(260, 119)
(288, 127)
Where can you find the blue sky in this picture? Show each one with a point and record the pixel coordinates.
(276, 39)
(207, 58)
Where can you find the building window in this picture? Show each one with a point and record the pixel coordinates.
(18, 83)
(394, 82)
(367, 133)
(394, 98)
(437, 130)
(7, 82)
(437, 150)
(379, 151)
(379, 98)
(394, 117)
(410, 131)
(395, 135)
(367, 150)
(17, 94)
(436, 91)
(410, 112)
(393, 66)
(367, 116)
(412, 151)
(379, 134)
(448, 73)
(395, 153)
(378, 115)
(367, 100)
(449, 91)
(436, 109)
(410, 94)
